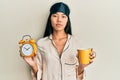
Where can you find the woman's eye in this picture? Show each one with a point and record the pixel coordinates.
(63, 16)
(54, 15)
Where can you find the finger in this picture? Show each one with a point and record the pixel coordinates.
(91, 49)
(93, 54)
(34, 56)
(92, 57)
(91, 61)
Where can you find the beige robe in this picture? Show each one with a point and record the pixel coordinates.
(53, 67)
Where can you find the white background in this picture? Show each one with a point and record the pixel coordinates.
(95, 22)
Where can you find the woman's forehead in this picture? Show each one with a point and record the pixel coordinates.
(59, 13)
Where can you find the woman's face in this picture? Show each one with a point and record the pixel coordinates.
(59, 21)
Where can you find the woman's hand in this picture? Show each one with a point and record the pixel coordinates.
(92, 56)
(32, 62)
(82, 66)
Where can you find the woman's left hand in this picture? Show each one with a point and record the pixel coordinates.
(82, 66)
(92, 56)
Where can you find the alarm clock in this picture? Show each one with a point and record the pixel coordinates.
(28, 47)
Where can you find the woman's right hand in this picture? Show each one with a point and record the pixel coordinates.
(32, 62)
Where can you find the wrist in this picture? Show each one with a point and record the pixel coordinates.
(80, 70)
(35, 68)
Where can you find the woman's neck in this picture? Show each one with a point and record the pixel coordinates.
(59, 35)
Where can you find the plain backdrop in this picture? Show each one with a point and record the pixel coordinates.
(95, 22)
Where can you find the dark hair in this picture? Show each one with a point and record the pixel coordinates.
(49, 29)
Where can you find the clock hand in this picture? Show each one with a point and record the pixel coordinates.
(25, 48)
(28, 48)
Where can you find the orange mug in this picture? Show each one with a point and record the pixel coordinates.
(84, 55)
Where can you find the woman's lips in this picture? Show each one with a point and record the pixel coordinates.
(58, 24)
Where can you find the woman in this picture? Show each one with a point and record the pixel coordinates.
(57, 56)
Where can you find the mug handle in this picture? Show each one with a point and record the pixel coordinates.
(93, 52)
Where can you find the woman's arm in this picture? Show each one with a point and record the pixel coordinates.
(32, 62)
(35, 63)
(80, 73)
(35, 70)
(80, 69)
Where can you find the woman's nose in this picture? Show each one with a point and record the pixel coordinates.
(59, 19)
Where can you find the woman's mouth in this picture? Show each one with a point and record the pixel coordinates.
(58, 24)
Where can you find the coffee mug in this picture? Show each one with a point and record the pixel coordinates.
(84, 55)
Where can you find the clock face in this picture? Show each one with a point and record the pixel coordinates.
(27, 49)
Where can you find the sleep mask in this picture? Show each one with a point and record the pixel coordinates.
(60, 7)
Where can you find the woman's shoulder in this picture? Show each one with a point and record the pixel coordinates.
(42, 40)
(77, 40)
